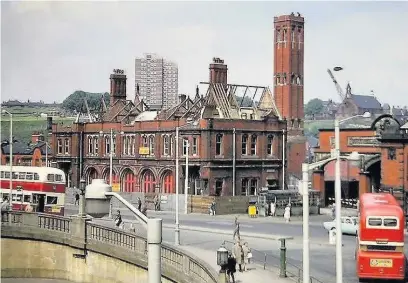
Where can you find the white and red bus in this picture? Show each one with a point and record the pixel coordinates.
(380, 239)
(41, 187)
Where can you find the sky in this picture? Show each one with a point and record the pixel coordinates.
(50, 49)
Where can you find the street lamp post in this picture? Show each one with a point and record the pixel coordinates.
(186, 178)
(305, 195)
(177, 228)
(337, 192)
(111, 169)
(11, 158)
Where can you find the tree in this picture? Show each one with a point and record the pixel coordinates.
(314, 106)
(75, 102)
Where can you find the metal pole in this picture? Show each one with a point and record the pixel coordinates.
(282, 259)
(186, 179)
(177, 229)
(233, 160)
(305, 189)
(110, 169)
(283, 159)
(46, 154)
(337, 190)
(11, 160)
(154, 240)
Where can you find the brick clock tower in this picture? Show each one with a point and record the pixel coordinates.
(288, 85)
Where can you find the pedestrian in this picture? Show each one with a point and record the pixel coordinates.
(231, 267)
(118, 219)
(28, 208)
(238, 254)
(156, 203)
(212, 208)
(286, 214)
(246, 251)
(139, 203)
(76, 199)
(273, 209)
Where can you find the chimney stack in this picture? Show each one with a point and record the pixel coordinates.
(218, 72)
(118, 86)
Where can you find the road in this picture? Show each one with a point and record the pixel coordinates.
(322, 255)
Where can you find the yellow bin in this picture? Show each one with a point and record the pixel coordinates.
(252, 211)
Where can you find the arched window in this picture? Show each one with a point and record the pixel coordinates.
(96, 145)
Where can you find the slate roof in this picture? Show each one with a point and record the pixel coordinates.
(366, 101)
(20, 148)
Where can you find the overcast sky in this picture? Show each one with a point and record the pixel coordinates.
(50, 49)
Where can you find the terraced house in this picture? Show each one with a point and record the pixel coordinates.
(231, 150)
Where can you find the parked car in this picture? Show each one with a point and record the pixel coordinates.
(349, 225)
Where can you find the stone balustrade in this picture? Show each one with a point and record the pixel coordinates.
(84, 235)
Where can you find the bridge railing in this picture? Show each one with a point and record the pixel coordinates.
(126, 245)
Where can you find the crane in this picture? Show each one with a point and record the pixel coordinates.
(338, 87)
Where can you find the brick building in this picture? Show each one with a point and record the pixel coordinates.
(32, 154)
(381, 141)
(144, 142)
(288, 85)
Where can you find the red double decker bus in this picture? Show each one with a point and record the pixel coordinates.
(380, 239)
(41, 187)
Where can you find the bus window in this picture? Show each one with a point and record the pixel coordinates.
(35, 198)
(29, 176)
(2, 174)
(7, 175)
(36, 176)
(5, 196)
(51, 200)
(58, 178)
(16, 197)
(27, 198)
(390, 222)
(50, 177)
(15, 175)
(21, 175)
(374, 221)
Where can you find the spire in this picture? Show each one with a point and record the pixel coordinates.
(348, 90)
(197, 96)
(137, 95)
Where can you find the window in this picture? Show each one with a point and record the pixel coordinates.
(145, 142)
(244, 144)
(59, 146)
(390, 222)
(269, 149)
(96, 147)
(90, 145)
(166, 145)
(29, 176)
(27, 198)
(375, 221)
(284, 35)
(254, 186)
(293, 37)
(253, 144)
(392, 154)
(218, 187)
(58, 178)
(114, 145)
(21, 175)
(244, 187)
(51, 200)
(36, 176)
(171, 145)
(107, 145)
(244, 116)
(6, 175)
(151, 145)
(185, 146)
(66, 144)
(133, 145)
(2, 174)
(50, 177)
(218, 144)
(195, 146)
